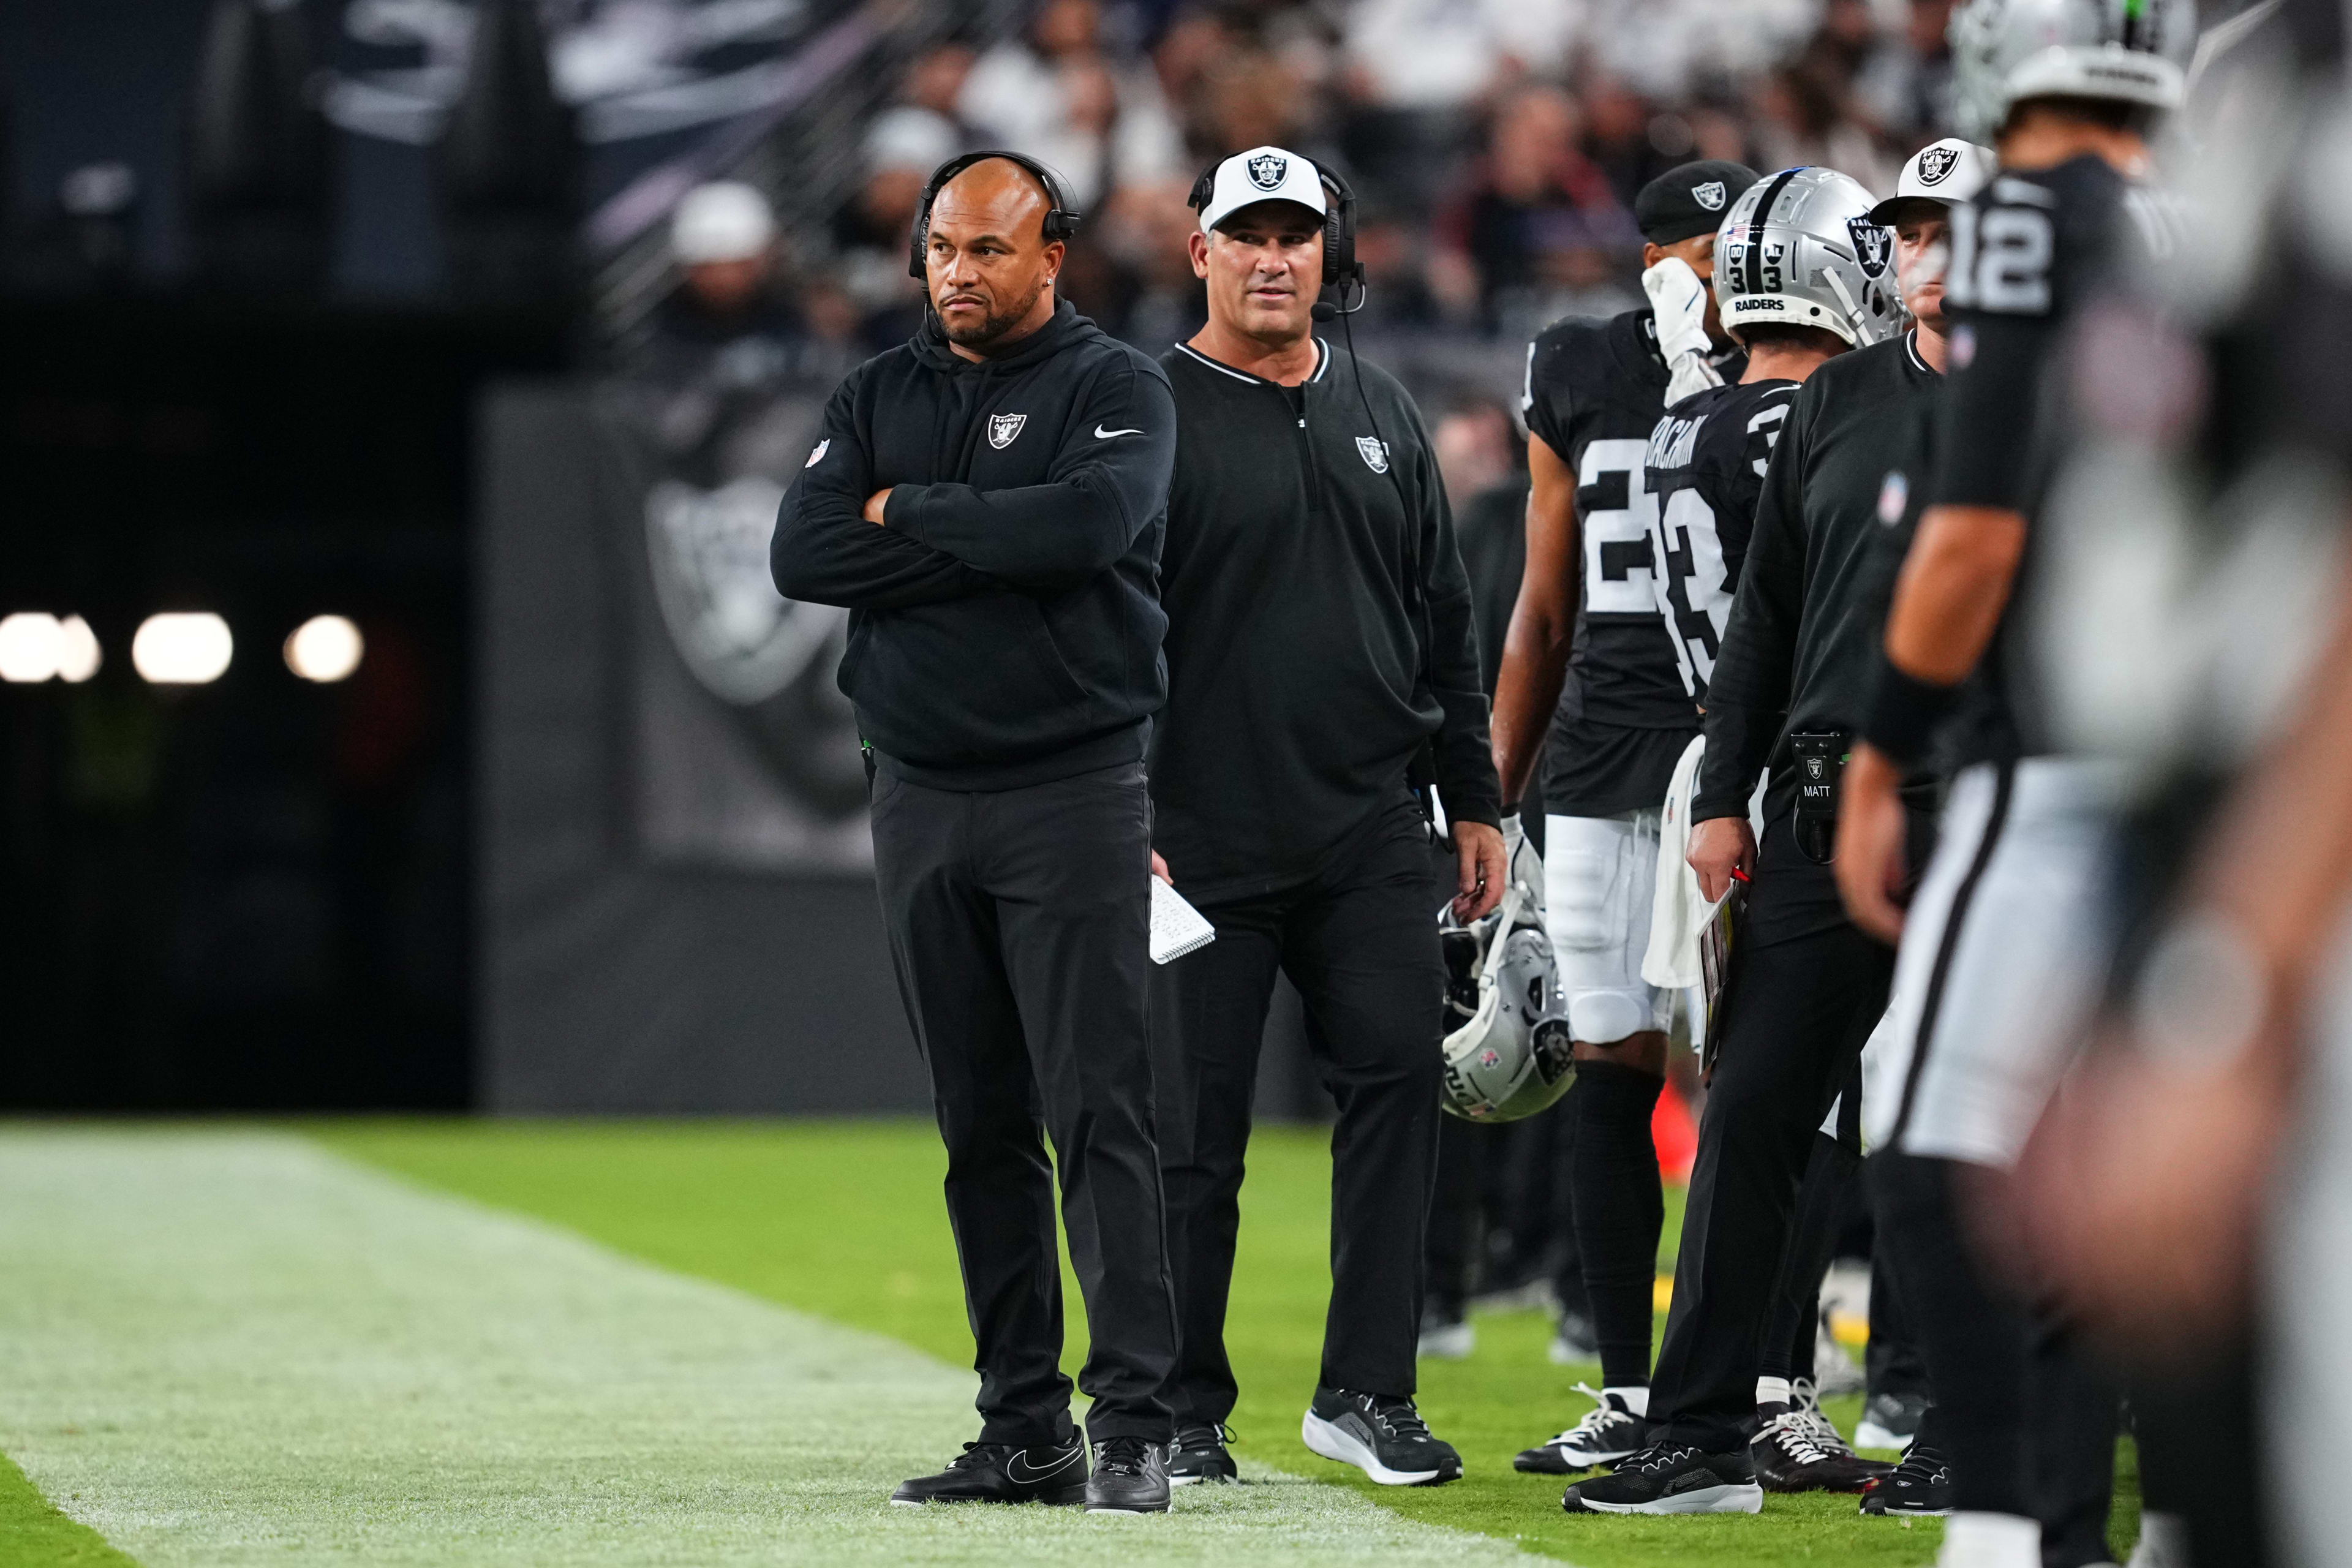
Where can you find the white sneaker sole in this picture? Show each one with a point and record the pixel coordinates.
(1333, 1443)
(1733, 1499)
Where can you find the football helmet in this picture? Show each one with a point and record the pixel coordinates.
(1508, 1054)
(1800, 247)
(2124, 51)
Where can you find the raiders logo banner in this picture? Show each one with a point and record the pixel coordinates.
(1002, 427)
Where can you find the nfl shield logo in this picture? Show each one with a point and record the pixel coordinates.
(1376, 456)
(1708, 195)
(1002, 427)
(1267, 169)
(1871, 246)
(1936, 163)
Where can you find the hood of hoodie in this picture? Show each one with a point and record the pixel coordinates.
(1065, 329)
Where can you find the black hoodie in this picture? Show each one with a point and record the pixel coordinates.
(1004, 622)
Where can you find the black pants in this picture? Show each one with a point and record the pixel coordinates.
(1793, 1332)
(1361, 944)
(1798, 1011)
(1019, 924)
(2029, 1426)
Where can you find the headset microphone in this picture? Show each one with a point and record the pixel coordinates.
(1324, 310)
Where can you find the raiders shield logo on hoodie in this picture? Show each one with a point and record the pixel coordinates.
(1002, 427)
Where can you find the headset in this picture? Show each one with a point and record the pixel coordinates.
(1340, 267)
(1061, 218)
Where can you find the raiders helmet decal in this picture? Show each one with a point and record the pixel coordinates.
(1873, 247)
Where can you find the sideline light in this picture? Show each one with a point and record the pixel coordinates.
(181, 648)
(324, 648)
(32, 647)
(79, 656)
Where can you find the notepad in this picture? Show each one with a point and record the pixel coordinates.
(1177, 928)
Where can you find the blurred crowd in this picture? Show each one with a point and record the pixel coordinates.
(1495, 146)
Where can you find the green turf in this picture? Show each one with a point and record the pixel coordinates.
(843, 1219)
(32, 1530)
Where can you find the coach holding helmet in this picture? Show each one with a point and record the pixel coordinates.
(988, 500)
(1319, 639)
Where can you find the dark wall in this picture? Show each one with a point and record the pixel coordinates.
(609, 982)
(250, 894)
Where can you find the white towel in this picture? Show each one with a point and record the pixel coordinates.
(1679, 299)
(1678, 912)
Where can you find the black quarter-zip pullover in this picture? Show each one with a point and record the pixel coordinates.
(1319, 624)
(1004, 621)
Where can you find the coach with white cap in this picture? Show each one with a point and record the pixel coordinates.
(1319, 641)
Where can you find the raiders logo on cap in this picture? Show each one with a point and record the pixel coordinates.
(1936, 163)
(1873, 245)
(1002, 427)
(1709, 195)
(1267, 169)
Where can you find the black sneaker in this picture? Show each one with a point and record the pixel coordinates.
(1000, 1472)
(1608, 1433)
(1890, 1420)
(1671, 1478)
(1919, 1487)
(1130, 1477)
(1198, 1455)
(1798, 1450)
(1381, 1434)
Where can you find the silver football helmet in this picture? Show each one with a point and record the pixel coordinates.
(1508, 1056)
(2125, 51)
(1800, 247)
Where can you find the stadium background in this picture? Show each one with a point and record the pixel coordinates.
(366, 308)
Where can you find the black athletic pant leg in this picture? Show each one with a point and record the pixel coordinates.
(1208, 1014)
(1795, 1326)
(1620, 1210)
(1977, 1343)
(1457, 1226)
(1364, 955)
(1022, 962)
(1799, 1011)
(1558, 1130)
(2072, 1415)
(1892, 1363)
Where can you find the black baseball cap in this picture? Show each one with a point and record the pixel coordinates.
(1690, 199)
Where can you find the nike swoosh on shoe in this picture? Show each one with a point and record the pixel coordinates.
(1018, 1468)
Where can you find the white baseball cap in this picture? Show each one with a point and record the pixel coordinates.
(1261, 174)
(725, 220)
(1949, 171)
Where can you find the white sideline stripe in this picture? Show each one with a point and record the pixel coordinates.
(223, 1348)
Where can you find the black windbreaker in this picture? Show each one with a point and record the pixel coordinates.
(1320, 628)
(1004, 624)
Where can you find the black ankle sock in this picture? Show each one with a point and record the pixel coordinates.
(1619, 1210)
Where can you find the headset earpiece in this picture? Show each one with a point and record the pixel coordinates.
(1060, 225)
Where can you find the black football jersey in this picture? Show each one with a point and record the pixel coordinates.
(2028, 253)
(1704, 467)
(1594, 390)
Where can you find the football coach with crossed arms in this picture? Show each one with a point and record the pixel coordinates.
(1319, 637)
(988, 500)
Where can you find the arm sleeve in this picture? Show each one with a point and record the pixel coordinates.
(1465, 763)
(1748, 698)
(823, 551)
(1108, 482)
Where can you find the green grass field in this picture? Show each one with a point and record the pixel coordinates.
(842, 1221)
